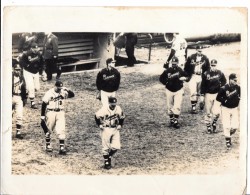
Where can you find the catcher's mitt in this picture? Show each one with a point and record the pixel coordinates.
(98, 95)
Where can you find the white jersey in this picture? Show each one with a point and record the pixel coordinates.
(179, 45)
(55, 100)
(108, 117)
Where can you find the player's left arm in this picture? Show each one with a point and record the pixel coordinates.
(223, 79)
(69, 93)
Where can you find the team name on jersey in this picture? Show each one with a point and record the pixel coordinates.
(230, 94)
(177, 74)
(105, 77)
(212, 77)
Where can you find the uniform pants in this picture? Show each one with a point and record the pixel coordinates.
(56, 120)
(230, 119)
(174, 100)
(212, 107)
(105, 97)
(32, 82)
(130, 49)
(182, 61)
(52, 67)
(17, 106)
(194, 87)
(110, 139)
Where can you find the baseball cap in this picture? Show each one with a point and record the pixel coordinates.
(232, 76)
(112, 100)
(199, 47)
(109, 60)
(17, 67)
(34, 45)
(214, 62)
(175, 60)
(59, 83)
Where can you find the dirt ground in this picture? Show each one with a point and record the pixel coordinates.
(149, 146)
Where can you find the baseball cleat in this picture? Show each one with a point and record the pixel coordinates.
(232, 131)
(62, 151)
(19, 136)
(229, 145)
(214, 128)
(34, 106)
(176, 125)
(49, 148)
(209, 130)
(107, 166)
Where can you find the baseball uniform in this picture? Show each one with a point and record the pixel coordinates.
(108, 82)
(195, 66)
(53, 104)
(32, 64)
(18, 98)
(229, 97)
(110, 120)
(174, 90)
(212, 80)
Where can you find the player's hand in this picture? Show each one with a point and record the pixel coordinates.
(183, 78)
(166, 65)
(101, 127)
(119, 127)
(54, 57)
(42, 118)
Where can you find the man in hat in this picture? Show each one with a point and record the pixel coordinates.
(110, 120)
(25, 41)
(53, 109)
(173, 78)
(229, 97)
(212, 80)
(32, 64)
(195, 66)
(108, 81)
(50, 55)
(178, 48)
(18, 98)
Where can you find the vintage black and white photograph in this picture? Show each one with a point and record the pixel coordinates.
(165, 104)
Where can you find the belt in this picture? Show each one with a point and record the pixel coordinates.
(110, 126)
(55, 110)
(16, 93)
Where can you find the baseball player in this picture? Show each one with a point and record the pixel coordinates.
(25, 41)
(50, 55)
(108, 81)
(212, 80)
(18, 98)
(229, 97)
(173, 78)
(195, 66)
(32, 64)
(110, 121)
(178, 49)
(53, 114)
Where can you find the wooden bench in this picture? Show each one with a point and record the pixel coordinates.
(72, 53)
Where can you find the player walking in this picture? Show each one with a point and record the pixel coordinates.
(212, 80)
(195, 66)
(178, 49)
(110, 121)
(32, 64)
(229, 97)
(53, 105)
(108, 81)
(173, 78)
(18, 98)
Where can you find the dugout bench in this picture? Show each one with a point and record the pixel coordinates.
(73, 54)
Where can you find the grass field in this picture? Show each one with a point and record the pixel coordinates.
(149, 146)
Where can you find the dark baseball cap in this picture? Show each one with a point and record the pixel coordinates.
(112, 100)
(17, 67)
(34, 45)
(199, 47)
(232, 76)
(109, 60)
(175, 60)
(59, 83)
(213, 62)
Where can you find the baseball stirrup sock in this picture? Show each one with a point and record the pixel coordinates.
(112, 152)
(61, 142)
(18, 128)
